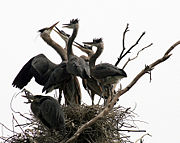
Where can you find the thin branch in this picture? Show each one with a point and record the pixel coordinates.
(123, 44)
(24, 90)
(130, 59)
(140, 139)
(18, 124)
(121, 92)
(128, 51)
(133, 130)
(8, 128)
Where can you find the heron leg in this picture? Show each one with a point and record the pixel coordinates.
(102, 94)
(60, 96)
(100, 98)
(92, 98)
(110, 93)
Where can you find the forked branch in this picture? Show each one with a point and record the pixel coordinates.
(122, 55)
(130, 59)
(121, 92)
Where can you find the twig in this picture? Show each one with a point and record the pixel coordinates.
(128, 51)
(18, 124)
(123, 91)
(26, 91)
(140, 139)
(132, 130)
(130, 59)
(27, 124)
(123, 44)
(7, 128)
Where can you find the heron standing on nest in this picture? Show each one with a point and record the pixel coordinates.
(106, 74)
(76, 65)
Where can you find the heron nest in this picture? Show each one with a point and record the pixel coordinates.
(108, 129)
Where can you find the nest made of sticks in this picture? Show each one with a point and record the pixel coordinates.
(105, 130)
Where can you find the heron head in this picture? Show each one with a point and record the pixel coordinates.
(89, 47)
(32, 98)
(48, 29)
(96, 42)
(74, 23)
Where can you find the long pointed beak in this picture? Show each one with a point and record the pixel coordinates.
(78, 44)
(61, 32)
(50, 28)
(29, 97)
(58, 29)
(88, 43)
(66, 25)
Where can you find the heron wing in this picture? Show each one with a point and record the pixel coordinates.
(52, 113)
(105, 69)
(57, 78)
(24, 75)
(42, 68)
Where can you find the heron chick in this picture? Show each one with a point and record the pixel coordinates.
(48, 111)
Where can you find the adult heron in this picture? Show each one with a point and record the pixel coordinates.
(60, 78)
(41, 68)
(106, 74)
(90, 84)
(76, 65)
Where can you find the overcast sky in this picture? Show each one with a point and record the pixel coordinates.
(157, 102)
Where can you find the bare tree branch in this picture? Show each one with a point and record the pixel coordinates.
(133, 130)
(123, 44)
(18, 124)
(16, 111)
(128, 51)
(121, 92)
(140, 139)
(7, 128)
(130, 59)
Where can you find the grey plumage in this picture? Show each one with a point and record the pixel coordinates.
(48, 111)
(66, 82)
(58, 78)
(76, 65)
(39, 67)
(106, 74)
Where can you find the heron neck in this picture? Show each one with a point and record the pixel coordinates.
(95, 56)
(70, 42)
(46, 37)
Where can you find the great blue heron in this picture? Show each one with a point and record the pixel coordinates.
(90, 84)
(60, 78)
(87, 49)
(76, 65)
(106, 74)
(41, 68)
(48, 111)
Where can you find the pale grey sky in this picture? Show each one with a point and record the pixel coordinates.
(157, 102)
